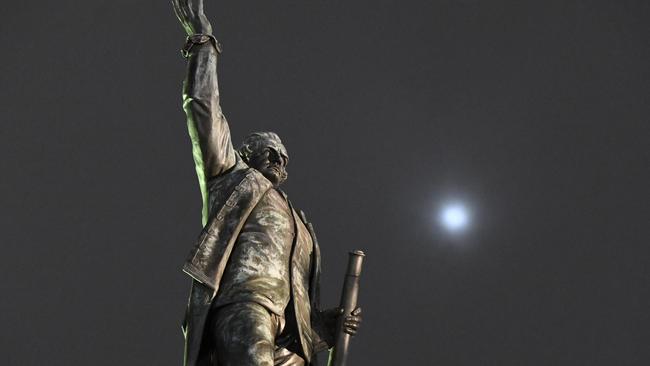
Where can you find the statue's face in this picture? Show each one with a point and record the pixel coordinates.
(271, 163)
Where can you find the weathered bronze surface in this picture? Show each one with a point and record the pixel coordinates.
(255, 266)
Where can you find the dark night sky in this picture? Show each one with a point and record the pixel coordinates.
(534, 113)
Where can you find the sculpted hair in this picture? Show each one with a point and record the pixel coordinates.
(257, 141)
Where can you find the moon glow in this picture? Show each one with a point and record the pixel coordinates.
(454, 217)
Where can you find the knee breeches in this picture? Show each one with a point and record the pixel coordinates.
(244, 334)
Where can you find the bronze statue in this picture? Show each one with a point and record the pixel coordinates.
(255, 267)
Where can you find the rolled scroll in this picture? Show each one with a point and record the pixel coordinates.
(339, 352)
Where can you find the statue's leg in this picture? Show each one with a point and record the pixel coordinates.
(244, 335)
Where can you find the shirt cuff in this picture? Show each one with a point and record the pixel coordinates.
(199, 39)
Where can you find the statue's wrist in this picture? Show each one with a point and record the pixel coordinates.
(199, 39)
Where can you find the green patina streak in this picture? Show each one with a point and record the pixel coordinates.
(197, 154)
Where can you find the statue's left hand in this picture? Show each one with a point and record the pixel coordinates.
(190, 14)
(351, 322)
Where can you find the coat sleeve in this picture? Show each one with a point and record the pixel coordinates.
(209, 132)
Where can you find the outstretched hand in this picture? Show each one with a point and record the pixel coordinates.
(190, 14)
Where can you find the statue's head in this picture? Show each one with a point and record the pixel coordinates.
(264, 151)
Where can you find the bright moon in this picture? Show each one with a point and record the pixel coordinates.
(454, 217)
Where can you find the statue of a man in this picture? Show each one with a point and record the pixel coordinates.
(255, 267)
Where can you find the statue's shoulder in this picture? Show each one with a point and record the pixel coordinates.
(230, 177)
(240, 182)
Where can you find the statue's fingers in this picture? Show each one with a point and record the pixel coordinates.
(181, 13)
(185, 8)
(195, 6)
(181, 7)
(356, 319)
(352, 325)
(176, 9)
(356, 311)
(352, 319)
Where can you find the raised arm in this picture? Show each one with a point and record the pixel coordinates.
(211, 142)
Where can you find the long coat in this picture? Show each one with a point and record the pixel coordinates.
(232, 197)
